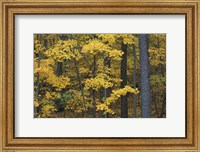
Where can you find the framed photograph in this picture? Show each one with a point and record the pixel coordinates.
(99, 75)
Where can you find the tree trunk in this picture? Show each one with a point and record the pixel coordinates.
(162, 70)
(107, 91)
(38, 76)
(134, 84)
(145, 76)
(80, 86)
(59, 69)
(93, 91)
(124, 105)
(58, 74)
(163, 110)
(156, 105)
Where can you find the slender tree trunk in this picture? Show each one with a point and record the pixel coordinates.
(101, 94)
(134, 84)
(81, 87)
(107, 91)
(38, 77)
(59, 73)
(156, 105)
(163, 110)
(93, 91)
(145, 76)
(59, 69)
(46, 44)
(162, 69)
(124, 105)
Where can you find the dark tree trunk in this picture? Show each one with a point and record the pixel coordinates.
(156, 105)
(163, 110)
(59, 65)
(45, 43)
(163, 71)
(134, 84)
(59, 69)
(59, 73)
(107, 91)
(38, 77)
(124, 105)
(145, 76)
(81, 87)
(93, 91)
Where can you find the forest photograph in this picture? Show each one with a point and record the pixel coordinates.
(99, 75)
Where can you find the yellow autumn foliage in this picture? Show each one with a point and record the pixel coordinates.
(116, 94)
(114, 54)
(100, 81)
(36, 103)
(47, 110)
(95, 46)
(107, 38)
(46, 72)
(38, 47)
(103, 107)
(126, 38)
(89, 73)
(64, 50)
(157, 56)
(58, 82)
(120, 92)
(52, 95)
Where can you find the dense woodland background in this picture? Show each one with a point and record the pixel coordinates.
(100, 75)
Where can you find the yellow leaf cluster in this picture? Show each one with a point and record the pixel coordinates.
(47, 73)
(52, 95)
(36, 103)
(64, 50)
(108, 38)
(100, 81)
(127, 38)
(120, 92)
(45, 67)
(41, 70)
(38, 47)
(115, 54)
(57, 54)
(47, 110)
(95, 46)
(102, 68)
(105, 108)
(157, 56)
(58, 82)
(116, 94)
(83, 70)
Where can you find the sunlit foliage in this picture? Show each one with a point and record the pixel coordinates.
(78, 75)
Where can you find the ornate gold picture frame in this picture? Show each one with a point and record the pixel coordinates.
(10, 8)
